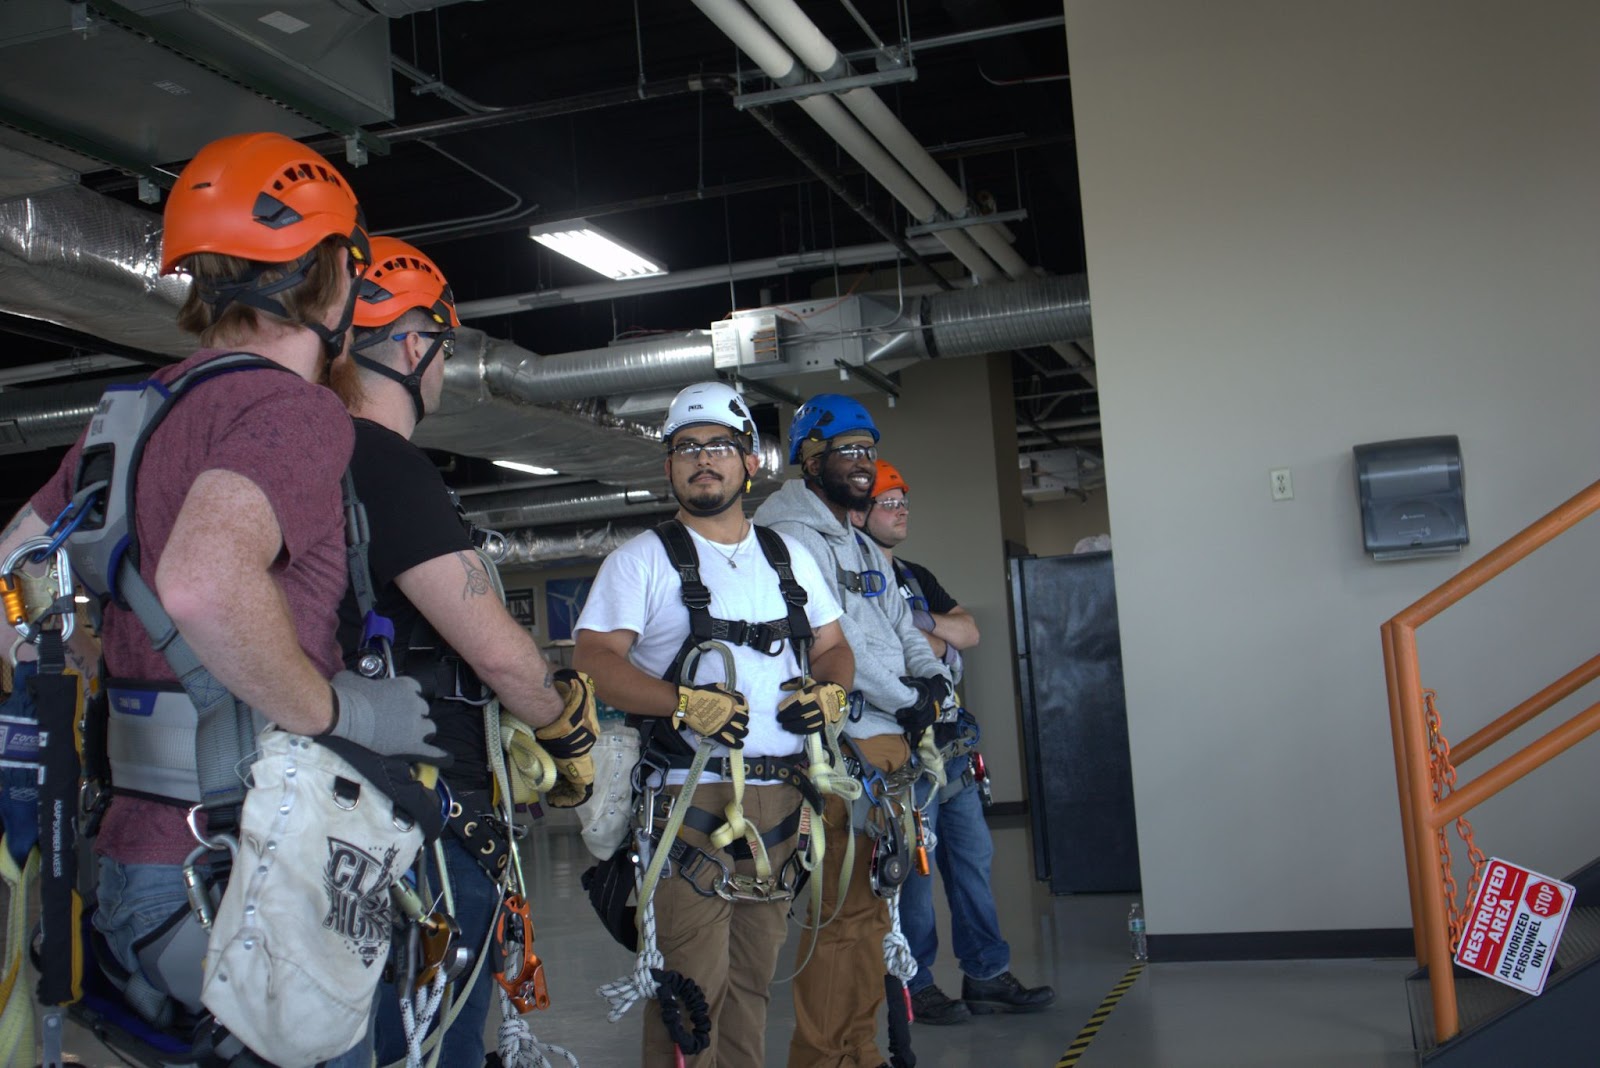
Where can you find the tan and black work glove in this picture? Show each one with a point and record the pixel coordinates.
(811, 706)
(575, 784)
(714, 711)
(573, 733)
(569, 739)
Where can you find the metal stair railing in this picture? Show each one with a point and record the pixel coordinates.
(1430, 800)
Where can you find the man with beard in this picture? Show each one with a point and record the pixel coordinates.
(902, 686)
(239, 522)
(706, 571)
(451, 632)
(964, 849)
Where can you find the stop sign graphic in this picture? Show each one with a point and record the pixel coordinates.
(1544, 899)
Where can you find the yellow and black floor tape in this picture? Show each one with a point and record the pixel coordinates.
(1097, 1018)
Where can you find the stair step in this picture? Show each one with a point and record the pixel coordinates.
(1479, 998)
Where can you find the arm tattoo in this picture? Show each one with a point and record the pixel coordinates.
(16, 521)
(477, 580)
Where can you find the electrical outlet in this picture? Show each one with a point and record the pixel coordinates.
(1282, 484)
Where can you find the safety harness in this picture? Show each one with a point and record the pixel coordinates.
(639, 865)
(183, 744)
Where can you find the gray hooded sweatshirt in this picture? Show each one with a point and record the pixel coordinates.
(885, 641)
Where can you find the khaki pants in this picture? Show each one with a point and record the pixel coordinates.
(836, 996)
(729, 948)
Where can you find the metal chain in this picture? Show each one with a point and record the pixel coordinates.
(1442, 775)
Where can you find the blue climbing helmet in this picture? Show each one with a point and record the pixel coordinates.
(827, 415)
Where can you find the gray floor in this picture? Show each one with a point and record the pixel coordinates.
(1319, 1014)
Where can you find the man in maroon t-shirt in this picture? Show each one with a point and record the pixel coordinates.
(238, 514)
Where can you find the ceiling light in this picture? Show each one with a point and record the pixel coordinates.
(80, 599)
(528, 469)
(640, 495)
(597, 250)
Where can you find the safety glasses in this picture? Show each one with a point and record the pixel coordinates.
(447, 348)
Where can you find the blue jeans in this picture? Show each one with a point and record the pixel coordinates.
(964, 852)
(134, 899)
(477, 899)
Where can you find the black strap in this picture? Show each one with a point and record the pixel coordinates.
(55, 696)
(767, 637)
(707, 823)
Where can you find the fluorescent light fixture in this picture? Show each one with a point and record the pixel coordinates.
(528, 469)
(80, 599)
(597, 250)
(641, 495)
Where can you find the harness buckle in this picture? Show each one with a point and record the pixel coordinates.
(739, 887)
(692, 861)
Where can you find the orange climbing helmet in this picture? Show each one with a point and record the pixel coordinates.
(402, 278)
(888, 479)
(262, 197)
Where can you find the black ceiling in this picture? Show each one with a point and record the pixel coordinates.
(683, 174)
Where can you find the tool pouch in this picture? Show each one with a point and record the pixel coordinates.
(303, 931)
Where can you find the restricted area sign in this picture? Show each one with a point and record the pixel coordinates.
(1514, 925)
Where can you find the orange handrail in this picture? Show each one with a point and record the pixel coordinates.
(1422, 816)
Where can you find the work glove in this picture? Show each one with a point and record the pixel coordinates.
(573, 733)
(923, 620)
(575, 784)
(922, 713)
(811, 705)
(714, 711)
(387, 716)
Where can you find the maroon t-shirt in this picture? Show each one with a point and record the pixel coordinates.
(292, 440)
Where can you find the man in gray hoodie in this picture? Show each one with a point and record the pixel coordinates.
(902, 686)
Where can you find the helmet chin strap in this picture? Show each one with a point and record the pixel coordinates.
(413, 381)
(246, 291)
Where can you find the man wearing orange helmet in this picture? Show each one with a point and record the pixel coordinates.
(238, 523)
(964, 850)
(449, 631)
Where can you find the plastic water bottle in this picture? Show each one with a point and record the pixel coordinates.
(1136, 939)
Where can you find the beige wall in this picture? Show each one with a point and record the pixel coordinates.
(1055, 524)
(1311, 226)
(949, 444)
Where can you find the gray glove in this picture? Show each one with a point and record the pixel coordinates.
(387, 716)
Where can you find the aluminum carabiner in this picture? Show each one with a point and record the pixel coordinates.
(36, 550)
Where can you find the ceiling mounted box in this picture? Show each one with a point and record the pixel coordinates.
(151, 81)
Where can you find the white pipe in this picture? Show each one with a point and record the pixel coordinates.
(775, 60)
(796, 29)
(74, 366)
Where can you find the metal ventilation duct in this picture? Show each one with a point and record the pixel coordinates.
(47, 416)
(525, 547)
(91, 263)
(545, 507)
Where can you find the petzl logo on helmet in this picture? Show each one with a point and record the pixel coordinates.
(358, 898)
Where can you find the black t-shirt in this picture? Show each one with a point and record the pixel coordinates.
(412, 521)
(939, 602)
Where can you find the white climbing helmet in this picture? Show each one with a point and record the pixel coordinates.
(711, 402)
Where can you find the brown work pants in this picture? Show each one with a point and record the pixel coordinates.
(729, 948)
(837, 994)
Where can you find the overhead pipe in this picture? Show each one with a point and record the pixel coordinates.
(818, 53)
(535, 507)
(87, 363)
(44, 417)
(529, 547)
(747, 32)
(720, 274)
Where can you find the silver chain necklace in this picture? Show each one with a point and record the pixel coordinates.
(737, 549)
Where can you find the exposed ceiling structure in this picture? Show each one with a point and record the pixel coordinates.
(855, 185)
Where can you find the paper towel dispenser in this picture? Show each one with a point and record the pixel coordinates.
(1413, 500)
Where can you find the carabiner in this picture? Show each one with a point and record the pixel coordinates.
(61, 605)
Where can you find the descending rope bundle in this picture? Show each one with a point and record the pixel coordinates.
(897, 955)
(519, 1047)
(417, 1011)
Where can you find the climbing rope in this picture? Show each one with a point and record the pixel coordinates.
(519, 1047)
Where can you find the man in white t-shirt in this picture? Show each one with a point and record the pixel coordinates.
(636, 639)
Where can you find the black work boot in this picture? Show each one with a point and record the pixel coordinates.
(930, 1006)
(1004, 993)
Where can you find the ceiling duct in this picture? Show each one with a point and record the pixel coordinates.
(545, 507)
(47, 416)
(478, 416)
(85, 261)
(528, 547)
